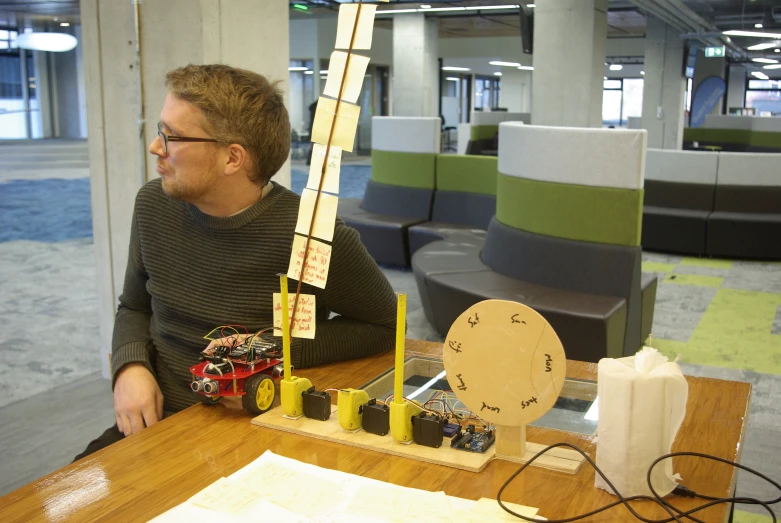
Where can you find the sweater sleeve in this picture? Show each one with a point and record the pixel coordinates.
(360, 294)
(132, 342)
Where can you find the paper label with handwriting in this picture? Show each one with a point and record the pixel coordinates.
(318, 261)
(344, 29)
(356, 71)
(344, 128)
(304, 323)
(331, 182)
(325, 220)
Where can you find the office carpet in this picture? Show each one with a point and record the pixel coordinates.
(721, 313)
(723, 317)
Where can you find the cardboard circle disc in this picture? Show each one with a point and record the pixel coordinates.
(504, 361)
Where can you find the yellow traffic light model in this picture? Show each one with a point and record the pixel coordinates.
(291, 388)
(401, 410)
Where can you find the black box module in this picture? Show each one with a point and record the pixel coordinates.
(427, 429)
(317, 405)
(375, 418)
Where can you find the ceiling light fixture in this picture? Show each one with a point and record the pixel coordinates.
(764, 60)
(616, 67)
(758, 26)
(761, 76)
(54, 42)
(451, 68)
(777, 50)
(505, 64)
(774, 66)
(484, 7)
(324, 71)
(426, 8)
(297, 68)
(526, 68)
(452, 78)
(760, 47)
(642, 73)
(497, 74)
(756, 34)
(445, 9)
(309, 72)
(64, 24)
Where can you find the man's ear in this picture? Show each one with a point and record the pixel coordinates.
(236, 159)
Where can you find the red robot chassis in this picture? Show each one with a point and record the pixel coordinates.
(250, 369)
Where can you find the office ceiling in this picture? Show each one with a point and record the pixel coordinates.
(21, 13)
(624, 18)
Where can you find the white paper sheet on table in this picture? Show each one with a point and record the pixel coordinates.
(277, 489)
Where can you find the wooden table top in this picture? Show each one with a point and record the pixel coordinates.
(149, 473)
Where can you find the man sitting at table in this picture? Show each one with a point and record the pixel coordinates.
(208, 241)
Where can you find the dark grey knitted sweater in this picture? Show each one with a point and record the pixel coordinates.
(188, 273)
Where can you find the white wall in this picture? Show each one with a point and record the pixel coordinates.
(303, 39)
(736, 88)
(69, 81)
(633, 46)
(515, 92)
(381, 52)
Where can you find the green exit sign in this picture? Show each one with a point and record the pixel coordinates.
(714, 52)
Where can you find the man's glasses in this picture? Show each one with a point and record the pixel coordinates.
(164, 138)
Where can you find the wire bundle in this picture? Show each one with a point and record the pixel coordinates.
(675, 513)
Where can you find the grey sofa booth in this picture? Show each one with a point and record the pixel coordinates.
(679, 191)
(400, 192)
(590, 291)
(746, 220)
(464, 199)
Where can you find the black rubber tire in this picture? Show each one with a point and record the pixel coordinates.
(214, 400)
(250, 400)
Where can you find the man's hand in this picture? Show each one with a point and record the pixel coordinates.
(138, 402)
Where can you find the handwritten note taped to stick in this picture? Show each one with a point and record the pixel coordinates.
(226, 496)
(325, 220)
(356, 71)
(344, 29)
(317, 262)
(304, 322)
(331, 182)
(344, 128)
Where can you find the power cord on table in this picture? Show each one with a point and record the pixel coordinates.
(675, 513)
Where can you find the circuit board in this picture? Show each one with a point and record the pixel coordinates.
(472, 441)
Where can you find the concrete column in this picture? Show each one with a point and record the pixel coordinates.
(242, 33)
(415, 67)
(705, 68)
(736, 86)
(664, 87)
(569, 57)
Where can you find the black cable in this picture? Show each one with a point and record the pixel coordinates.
(668, 507)
(621, 499)
(716, 501)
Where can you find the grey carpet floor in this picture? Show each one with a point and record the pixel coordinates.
(55, 400)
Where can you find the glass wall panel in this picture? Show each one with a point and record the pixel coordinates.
(13, 110)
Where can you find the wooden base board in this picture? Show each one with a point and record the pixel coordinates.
(561, 460)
